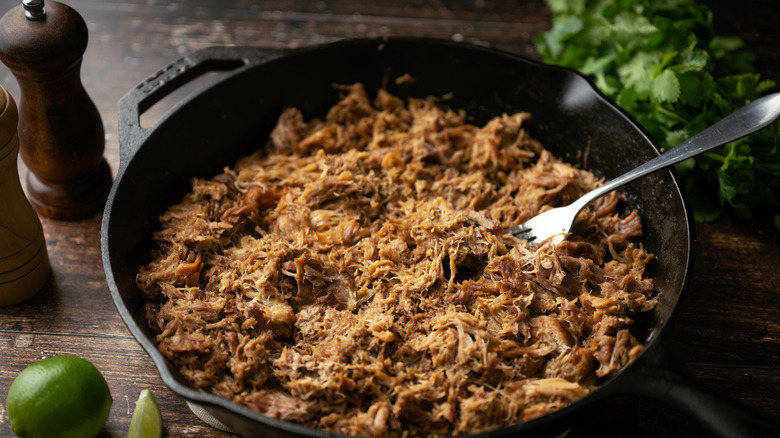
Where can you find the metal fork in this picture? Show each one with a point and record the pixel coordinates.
(557, 222)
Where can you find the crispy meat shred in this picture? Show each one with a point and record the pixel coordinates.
(353, 275)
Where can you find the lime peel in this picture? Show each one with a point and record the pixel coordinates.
(58, 397)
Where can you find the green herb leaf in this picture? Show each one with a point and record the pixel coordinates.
(562, 30)
(662, 62)
(666, 87)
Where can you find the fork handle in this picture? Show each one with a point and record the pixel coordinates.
(752, 117)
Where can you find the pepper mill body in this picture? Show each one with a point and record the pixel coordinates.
(24, 260)
(61, 133)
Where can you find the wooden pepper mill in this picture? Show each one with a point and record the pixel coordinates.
(24, 261)
(61, 133)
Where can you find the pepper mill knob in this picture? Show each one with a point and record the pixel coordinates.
(61, 133)
(24, 261)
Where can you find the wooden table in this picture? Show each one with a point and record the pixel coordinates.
(729, 330)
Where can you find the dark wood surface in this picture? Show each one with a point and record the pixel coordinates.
(729, 330)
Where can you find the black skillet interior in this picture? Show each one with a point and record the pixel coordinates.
(234, 116)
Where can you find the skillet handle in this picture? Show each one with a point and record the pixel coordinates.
(663, 376)
(172, 77)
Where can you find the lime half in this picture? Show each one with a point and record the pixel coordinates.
(147, 420)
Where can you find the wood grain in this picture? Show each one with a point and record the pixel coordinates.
(24, 264)
(728, 333)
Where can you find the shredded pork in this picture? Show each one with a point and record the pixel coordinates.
(353, 275)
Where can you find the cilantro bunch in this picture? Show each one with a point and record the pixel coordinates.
(661, 61)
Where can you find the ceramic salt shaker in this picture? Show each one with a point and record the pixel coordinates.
(61, 133)
(24, 261)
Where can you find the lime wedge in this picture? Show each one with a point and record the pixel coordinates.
(147, 420)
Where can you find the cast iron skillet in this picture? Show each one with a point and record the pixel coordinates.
(233, 116)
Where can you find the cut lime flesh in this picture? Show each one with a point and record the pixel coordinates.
(147, 421)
